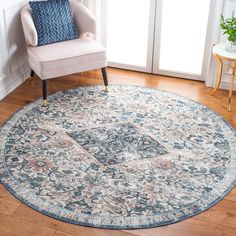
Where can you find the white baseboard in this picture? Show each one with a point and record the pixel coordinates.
(225, 82)
(19, 79)
(226, 85)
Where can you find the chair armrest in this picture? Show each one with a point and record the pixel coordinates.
(85, 21)
(31, 36)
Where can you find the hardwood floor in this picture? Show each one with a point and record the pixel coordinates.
(19, 220)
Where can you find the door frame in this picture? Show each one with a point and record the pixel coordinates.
(155, 30)
(207, 48)
(151, 33)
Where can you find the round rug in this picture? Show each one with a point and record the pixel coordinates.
(130, 158)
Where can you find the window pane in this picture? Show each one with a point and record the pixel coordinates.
(183, 35)
(127, 31)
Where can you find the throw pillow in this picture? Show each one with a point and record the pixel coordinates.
(53, 21)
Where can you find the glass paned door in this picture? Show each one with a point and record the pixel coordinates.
(167, 37)
(129, 33)
(181, 34)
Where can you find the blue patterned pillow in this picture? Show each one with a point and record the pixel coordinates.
(53, 21)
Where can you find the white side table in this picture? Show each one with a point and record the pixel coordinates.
(221, 55)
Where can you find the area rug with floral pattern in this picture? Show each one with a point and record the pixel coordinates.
(130, 158)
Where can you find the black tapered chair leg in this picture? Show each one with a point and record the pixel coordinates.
(104, 74)
(44, 91)
(31, 75)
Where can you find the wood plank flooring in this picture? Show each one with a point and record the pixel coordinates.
(19, 220)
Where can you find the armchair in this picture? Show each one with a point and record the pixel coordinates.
(67, 57)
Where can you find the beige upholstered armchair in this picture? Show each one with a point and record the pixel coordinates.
(68, 57)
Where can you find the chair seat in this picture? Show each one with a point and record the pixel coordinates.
(67, 57)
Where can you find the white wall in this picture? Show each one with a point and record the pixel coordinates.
(14, 68)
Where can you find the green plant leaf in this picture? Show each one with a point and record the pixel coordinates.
(229, 27)
(232, 38)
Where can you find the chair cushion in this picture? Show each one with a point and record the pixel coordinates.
(53, 21)
(69, 57)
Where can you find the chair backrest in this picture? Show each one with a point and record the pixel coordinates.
(84, 20)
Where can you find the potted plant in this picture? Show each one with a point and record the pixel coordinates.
(229, 28)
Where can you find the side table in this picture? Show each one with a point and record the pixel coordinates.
(222, 55)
